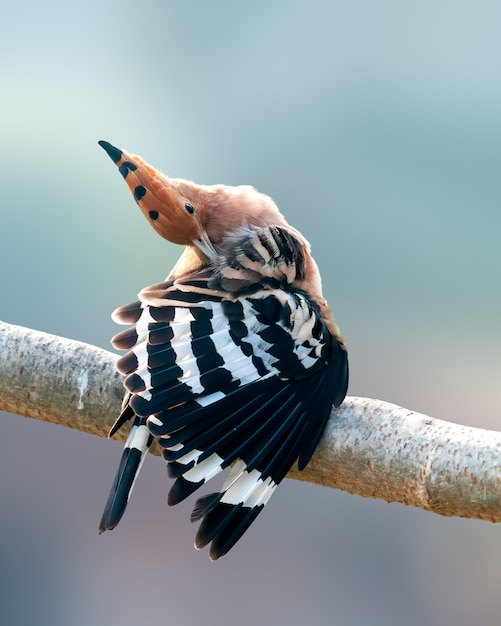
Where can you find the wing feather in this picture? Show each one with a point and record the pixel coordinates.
(222, 379)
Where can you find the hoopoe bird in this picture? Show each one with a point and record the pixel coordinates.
(234, 361)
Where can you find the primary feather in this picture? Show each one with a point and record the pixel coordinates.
(233, 362)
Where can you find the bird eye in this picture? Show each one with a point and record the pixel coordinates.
(189, 208)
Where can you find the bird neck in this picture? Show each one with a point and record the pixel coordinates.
(190, 260)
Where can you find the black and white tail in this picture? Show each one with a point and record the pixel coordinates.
(133, 455)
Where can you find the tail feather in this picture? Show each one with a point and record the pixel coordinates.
(227, 538)
(133, 456)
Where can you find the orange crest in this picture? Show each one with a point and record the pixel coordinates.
(167, 210)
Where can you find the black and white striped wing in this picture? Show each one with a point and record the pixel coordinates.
(245, 381)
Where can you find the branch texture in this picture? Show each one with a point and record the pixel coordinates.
(370, 448)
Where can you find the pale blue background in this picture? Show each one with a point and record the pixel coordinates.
(376, 128)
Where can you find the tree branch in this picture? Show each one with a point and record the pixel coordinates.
(370, 448)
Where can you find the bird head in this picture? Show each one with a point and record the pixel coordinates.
(189, 214)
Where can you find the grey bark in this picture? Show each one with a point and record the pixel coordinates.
(370, 448)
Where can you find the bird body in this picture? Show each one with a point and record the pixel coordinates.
(234, 361)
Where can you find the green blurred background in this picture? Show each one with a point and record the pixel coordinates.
(376, 128)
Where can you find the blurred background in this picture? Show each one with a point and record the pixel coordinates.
(376, 128)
